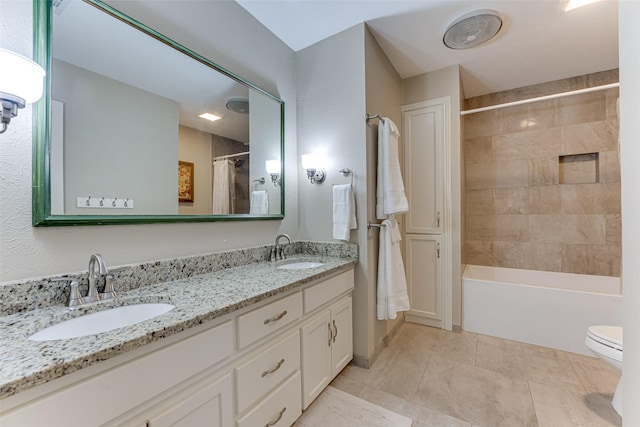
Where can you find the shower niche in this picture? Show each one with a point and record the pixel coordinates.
(579, 169)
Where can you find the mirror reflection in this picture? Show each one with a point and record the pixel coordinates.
(139, 127)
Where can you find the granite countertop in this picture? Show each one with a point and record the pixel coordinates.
(25, 364)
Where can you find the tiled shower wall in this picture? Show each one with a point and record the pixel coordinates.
(525, 208)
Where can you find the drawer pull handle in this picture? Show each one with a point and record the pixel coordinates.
(330, 333)
(335, 330)
(275, 319)
(272, 370)
(274, 422)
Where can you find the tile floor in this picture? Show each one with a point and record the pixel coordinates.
(440, 378)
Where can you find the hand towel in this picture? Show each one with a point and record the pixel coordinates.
(392, 295)
(259, 203)
(390, 187)
(344, 211)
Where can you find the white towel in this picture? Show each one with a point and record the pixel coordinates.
(259, 203)
(390, 187)
(392, 293)
(344, 211)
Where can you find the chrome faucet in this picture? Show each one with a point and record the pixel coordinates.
(277, 253)
(92, 295)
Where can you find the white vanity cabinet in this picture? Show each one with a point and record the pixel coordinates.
(249, 368)
(327, 338)
(209, 405)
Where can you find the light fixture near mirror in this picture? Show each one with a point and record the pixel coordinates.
(273, 168)
(76, 42)
(313, 163)
(20, 84)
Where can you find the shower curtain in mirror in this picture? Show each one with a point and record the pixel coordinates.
(224, 194)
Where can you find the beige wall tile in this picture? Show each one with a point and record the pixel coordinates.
(513, 181)
(479, 125)
(590, 198)
(543, 171)
(541, 115)
(478, 150)
(613, 229)
(527, 255)
(527, 200)
(498, 227)
(588, 107)
(590, 137)
(609, 166)
(479, 202)
(526, 145)
(479, 252)
(495, 175)
(612, 96)
(567, 228)
(601, 260)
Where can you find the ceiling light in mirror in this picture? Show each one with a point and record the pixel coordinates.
(209, 116)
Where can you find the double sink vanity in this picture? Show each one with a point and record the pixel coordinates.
(248, 343)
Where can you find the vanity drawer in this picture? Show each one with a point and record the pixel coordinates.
(322, 293)
(280, 409)
(264, 372)
(272, 317)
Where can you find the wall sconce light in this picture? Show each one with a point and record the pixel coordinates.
(20, 84)
(273, 168)
(313, 165)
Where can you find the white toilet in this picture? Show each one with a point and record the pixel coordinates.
(606, 343)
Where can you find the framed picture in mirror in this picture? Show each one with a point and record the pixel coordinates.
(185, 182)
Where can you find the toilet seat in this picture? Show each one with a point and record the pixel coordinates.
(611, 336)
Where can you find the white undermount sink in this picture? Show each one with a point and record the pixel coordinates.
(102, 321)
(301, 265)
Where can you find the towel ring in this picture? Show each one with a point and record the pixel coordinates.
(346, 172)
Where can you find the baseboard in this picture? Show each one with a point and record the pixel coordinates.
(367, 362)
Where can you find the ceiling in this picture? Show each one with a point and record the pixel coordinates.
(537, 43)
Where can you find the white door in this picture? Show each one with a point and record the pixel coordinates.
(342, 340)
(425, 279)
(423, 162)
(316, 356)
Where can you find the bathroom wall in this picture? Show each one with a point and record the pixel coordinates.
(630, 153)
(97, 143)
(383, 97)
(258, 55)
(331, 111)
(529, 202)
(194, 146)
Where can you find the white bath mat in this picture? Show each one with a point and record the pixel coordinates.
(336, 408)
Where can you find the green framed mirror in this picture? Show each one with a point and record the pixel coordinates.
(118, 135)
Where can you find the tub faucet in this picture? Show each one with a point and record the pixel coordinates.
(277, 253)
(92, 295)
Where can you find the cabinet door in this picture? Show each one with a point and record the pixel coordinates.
(423, 131)
(424, 278)
(342, 340)
(209, 406)
(316, 356)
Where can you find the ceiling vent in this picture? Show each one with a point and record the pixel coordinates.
(238, 105)
(472, 29)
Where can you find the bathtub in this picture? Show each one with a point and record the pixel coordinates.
(538, 307)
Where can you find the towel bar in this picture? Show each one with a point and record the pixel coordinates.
(372, 224)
